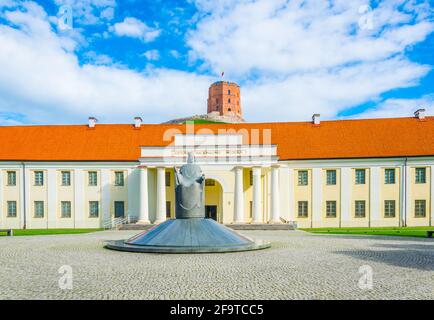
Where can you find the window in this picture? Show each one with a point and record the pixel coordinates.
(167, 179)
(93, 178)
(39, 209)
(93, 209)
(360, 176)
(389, 176)
(12, 178)
(302, 209)
(66, 178)
(331, 209)
(420, 175)
(168, 209)
(39, 178)
(229, 91)
(302, 178)
(209, 182)
(12, 209)
(251, 178)
(360, 207)
(229, 100)
(420, 208)
(119, 178)
(65, 209)
(331, 177)
(389, 208)
(119, 209)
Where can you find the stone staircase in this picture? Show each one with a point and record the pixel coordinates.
(283, 226)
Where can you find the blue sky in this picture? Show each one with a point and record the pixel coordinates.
(156, 59)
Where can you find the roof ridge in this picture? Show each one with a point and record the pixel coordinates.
(203, 124)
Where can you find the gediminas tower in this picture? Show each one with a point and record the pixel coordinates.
(224, 98)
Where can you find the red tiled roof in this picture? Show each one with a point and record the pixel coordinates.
(394, 137)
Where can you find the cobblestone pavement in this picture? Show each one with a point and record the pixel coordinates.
(297, 266)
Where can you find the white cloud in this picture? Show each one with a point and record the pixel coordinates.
(400, 107)
(151, 55)
(134, 28)
(98, 59)
(48, 85)
(318, 63)
(300, 57)
(280, 37)
(89, 12)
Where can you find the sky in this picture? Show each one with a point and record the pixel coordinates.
(62, 61)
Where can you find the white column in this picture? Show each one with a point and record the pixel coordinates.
(316, 197)
(51, 205)
(25, 197)
(291, 195)
(275, 195)
(161, 195)
(408, 201)
(105, 195)
(143, 195)
(374, 205)
(257, 195)
(432, 195)
(345, 196)
(2, 214)
(79, 208)
(239, 196)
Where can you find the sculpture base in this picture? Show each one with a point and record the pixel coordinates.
(194, 235)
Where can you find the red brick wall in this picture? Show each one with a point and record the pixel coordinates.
(224, 97)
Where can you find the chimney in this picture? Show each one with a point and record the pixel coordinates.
(420, 114)
(92, 122)
(316, 119)
(137, 122)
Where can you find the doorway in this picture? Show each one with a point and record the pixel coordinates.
(213, 200)
(211, 212)
(119, 209)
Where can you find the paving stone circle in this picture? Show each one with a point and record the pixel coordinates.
(297, 266)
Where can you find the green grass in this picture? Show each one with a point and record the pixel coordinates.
(41, 232)
(385, 231)
(203, 121)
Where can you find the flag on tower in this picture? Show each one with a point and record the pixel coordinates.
(223, 73)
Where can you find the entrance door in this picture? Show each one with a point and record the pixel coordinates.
(119, 209)
(211, 212)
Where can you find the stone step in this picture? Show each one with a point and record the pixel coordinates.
(246, 226)
(135, 226)
(261, 226)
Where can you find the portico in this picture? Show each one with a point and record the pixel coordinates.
(247, 177)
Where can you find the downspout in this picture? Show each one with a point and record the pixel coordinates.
(24, 195)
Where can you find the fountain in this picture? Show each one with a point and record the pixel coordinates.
(190, 232)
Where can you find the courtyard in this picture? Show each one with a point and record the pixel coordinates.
(299, 265)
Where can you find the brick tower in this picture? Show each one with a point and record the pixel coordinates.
(224, 98)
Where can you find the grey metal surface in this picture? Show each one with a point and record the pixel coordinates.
(190, 232)
(189, 191)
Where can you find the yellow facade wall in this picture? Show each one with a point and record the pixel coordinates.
(303, 193)
(331, 193)
(419, 191)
